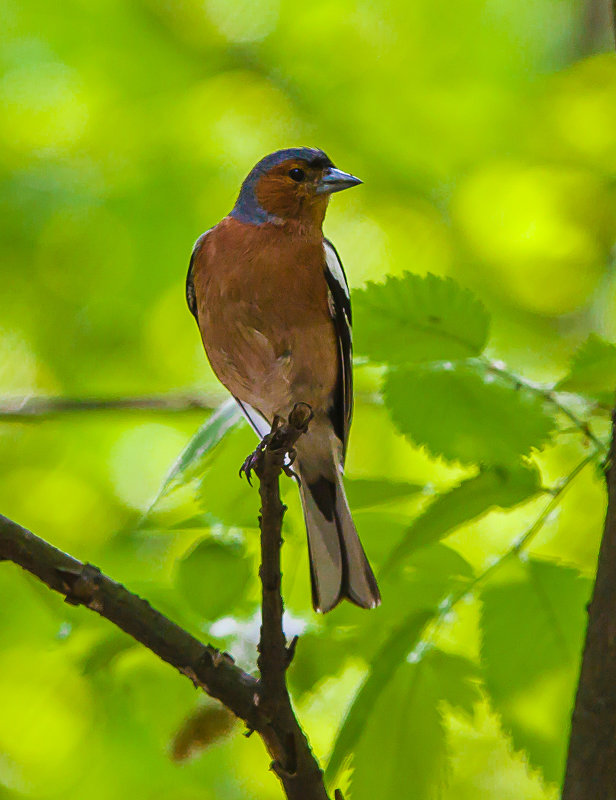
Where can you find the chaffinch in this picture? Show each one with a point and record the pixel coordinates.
(272, 303)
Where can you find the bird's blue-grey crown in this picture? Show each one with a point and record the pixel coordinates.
(247, 207)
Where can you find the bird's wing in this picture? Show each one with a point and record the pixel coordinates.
(191, 297)
(342, 406)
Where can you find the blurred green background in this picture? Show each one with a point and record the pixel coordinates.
(485, 133)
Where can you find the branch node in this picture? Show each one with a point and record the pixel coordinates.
(277, 767)
(290, 752)
(192, 676)
(81, 586)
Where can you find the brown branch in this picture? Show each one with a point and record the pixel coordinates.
(263, 704)
(295, 764)
(84, 584)
(591, 761)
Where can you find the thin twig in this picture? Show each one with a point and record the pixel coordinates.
(547, 394)
(295, 765)
(515, 550)
(25, 408)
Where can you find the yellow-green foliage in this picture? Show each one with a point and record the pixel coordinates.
(485, 133)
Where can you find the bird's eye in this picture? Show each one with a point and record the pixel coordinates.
(297, 174)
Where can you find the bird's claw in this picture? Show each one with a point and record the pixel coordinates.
(252, 461)
(286, 468)
(290, 473)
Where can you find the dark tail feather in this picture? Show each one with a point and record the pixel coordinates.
(338, 565)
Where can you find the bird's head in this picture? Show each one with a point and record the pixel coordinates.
(293, 184)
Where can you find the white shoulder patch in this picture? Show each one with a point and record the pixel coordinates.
(333, 265)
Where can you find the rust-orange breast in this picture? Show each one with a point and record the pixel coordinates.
(264, 316)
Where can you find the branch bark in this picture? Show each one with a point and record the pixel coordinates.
(295, 764)
(263, 704)
(591, 761)
(84, 584)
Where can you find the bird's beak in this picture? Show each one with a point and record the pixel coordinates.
(335, 180)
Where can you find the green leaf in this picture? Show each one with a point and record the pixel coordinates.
(414, 764)
(409, 709)
(319, 657)
(366, 493)
(422, 582)
(213, 577)
(222, 494)
(382, 669)
(413, 318)
(592, 371)
(196, 522)
(458, 679)
(459, 414)
(532, 628)
(189, 463)
(419, 588)
(502, 487)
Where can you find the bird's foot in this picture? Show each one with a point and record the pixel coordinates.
(252, 461)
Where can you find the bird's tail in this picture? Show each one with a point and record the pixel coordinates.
(338, 565)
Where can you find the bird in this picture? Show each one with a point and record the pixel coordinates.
(272, 303)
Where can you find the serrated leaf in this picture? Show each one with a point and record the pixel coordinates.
(213, 577)
(414, 318)
(593, 370)
(408, 707)
(532, 629)
(502, 487)
(459, 414)
(188, 463)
